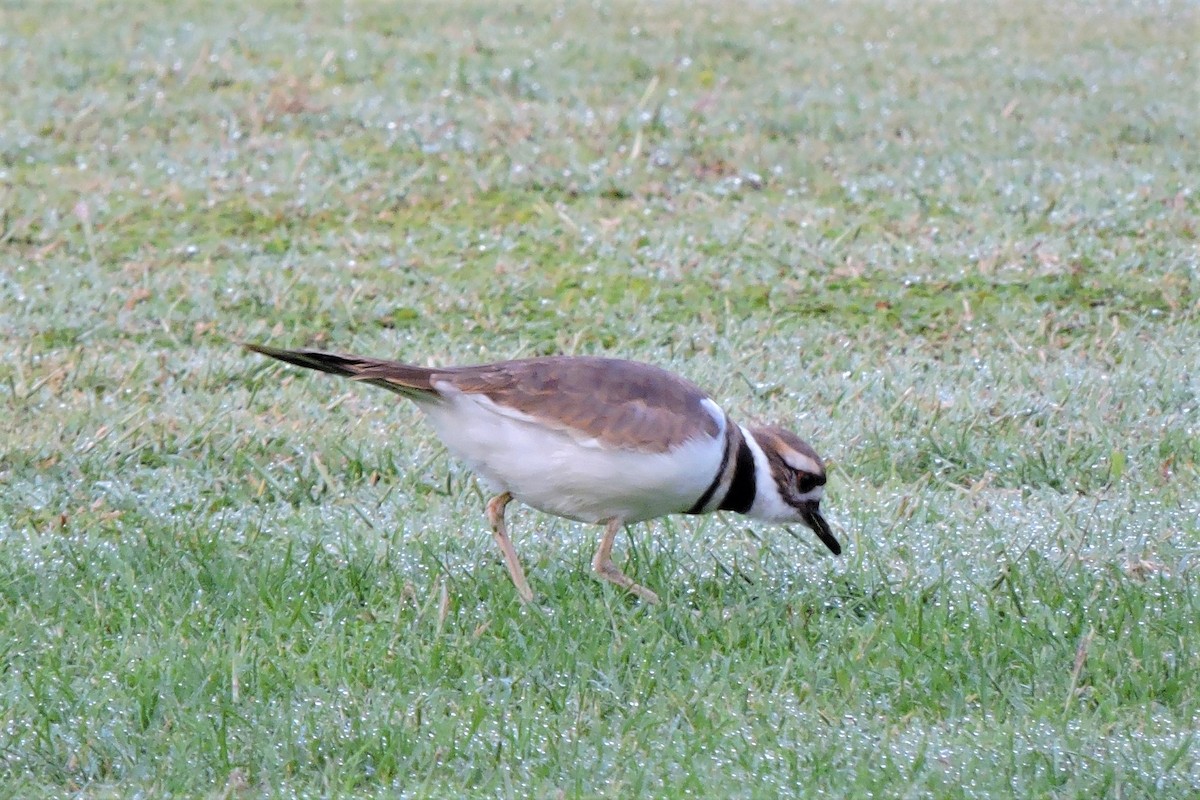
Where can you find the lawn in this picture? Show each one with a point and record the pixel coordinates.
(954, 245)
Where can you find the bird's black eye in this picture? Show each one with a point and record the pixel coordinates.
(807, 481)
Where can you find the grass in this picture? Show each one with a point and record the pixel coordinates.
(954, 245)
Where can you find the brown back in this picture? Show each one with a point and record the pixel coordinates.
(619, 403)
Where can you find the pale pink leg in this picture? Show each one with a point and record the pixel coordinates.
(495, 513)
(603, 565)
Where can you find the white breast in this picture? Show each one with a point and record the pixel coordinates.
(573, 477)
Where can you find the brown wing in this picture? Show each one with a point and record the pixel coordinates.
(619, 403)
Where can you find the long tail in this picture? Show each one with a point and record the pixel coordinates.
(406, 379)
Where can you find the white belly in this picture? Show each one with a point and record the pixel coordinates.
(568, 476)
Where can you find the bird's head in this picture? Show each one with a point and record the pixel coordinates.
(794, 483)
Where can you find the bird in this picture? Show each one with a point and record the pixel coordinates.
(598, 440)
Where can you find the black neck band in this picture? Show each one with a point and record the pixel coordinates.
(698, 507)
(741, 492)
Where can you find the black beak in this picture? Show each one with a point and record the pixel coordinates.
(810, 512)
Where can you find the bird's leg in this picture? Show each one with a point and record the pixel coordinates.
(603, 564)
(495, 513)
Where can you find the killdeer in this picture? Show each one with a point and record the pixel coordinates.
(598, 440)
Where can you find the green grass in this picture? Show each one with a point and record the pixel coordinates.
(953, 245)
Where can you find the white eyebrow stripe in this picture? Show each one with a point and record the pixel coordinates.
(800, 462)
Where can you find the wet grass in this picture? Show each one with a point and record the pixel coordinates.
(955, 246)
